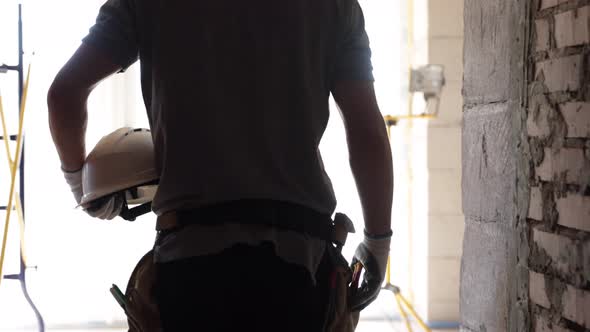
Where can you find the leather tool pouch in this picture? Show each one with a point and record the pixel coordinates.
(339, 318)
(141, 308)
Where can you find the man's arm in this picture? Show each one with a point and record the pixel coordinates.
(370, 160)
(368, 149)
(369, 152)
(67, 98)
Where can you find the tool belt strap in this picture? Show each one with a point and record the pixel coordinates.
(277, 214)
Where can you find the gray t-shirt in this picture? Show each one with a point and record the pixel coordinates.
(237, 91)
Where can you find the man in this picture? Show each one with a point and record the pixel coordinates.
(237, 98)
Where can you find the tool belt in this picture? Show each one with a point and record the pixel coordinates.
(276, 214)
(140, 305)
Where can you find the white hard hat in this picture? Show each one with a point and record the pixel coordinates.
(121, 161)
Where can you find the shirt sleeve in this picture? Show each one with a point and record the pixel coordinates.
(353, 54)
(115, 32)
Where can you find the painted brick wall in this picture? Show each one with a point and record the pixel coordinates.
(558, 127)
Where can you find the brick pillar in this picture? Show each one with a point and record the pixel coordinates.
(558, 126)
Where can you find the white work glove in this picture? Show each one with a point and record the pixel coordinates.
(105, 208)
(74, 180)
(372, 253)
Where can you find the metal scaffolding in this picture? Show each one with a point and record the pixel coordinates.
(21, 276)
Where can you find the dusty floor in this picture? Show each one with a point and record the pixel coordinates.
(381, 316)
(371, 326)
(364, 326)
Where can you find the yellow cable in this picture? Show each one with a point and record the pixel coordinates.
(403, 312)
(388, 271)
(13, 170)
(413, 312)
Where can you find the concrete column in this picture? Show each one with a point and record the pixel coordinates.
(495, 186)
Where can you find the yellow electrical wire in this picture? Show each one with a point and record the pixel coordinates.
(413, 312)
(14, 168)
(403, 312)
(388, 271)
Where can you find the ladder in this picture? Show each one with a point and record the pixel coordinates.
(21, 276)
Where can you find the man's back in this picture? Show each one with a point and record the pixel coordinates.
(237, 93)
(241, 101)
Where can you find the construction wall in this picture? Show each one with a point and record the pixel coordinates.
(526, 162)
(445, 217)
(494, 274)
(558, 126)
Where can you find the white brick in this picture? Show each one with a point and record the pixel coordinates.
(563, 251)
(536, 204)
(445, 236)
(542, 324)
(443, 285)
(450, 112)
(543, 35)
(577, 118)
(537, 290)
(488, 160)
(550, 3)
(445, 18)
(561, 74)
(444, 148)
(538, 121)
(443, 311)
(574, 211)
(449, 53)
(444, 192)
(485, 278)
(565, 160)
(576, 305)
(572, 28)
